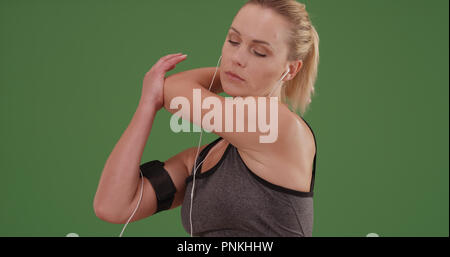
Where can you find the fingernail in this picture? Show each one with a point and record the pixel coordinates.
(184, 55)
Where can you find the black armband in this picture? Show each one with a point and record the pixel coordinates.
(162, 183)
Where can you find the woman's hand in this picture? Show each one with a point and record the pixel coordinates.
(153, 85)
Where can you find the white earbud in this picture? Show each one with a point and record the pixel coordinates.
(284, 74)
(282, 77)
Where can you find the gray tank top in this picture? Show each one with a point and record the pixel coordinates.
(232, 201)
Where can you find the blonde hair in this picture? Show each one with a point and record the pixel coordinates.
(303, 45)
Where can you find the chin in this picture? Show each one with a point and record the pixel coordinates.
(232, 89)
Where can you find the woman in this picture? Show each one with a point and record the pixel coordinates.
(243, 187)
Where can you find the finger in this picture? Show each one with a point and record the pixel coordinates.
(162, 62)
(171, 68)
(158, 64)
(173, 61)
(164, 58)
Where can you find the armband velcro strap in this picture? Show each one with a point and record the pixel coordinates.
(162, 183)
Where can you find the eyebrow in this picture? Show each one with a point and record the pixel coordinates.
(254, 40)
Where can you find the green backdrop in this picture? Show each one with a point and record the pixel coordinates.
(71, 75)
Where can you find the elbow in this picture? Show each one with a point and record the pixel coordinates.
(107, 214)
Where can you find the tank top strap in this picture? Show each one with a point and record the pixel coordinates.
(313, 174)
(315, 155)
(203, 154)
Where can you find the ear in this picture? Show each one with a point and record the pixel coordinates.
(294, 68)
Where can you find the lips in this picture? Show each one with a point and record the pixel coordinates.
(231, 74)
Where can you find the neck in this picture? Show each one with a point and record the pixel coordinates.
(276, 91)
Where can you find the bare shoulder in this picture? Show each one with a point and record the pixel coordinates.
(306, 135)
(299, 144)
(287, 162)
(294, 138)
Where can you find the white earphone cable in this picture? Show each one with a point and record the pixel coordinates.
(137, 205)
(195, 169)
(195, 166)
(282, 77)
(195, 161)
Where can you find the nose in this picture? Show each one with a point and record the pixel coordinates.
(239, 57)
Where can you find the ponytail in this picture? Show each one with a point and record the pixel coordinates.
(298, 91)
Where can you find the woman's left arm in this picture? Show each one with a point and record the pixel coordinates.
(179, 91)
(203, 77)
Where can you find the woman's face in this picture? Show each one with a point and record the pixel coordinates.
(256, 50)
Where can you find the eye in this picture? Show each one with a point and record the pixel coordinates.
(233, 43)
(258, 54)
(237, 43)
